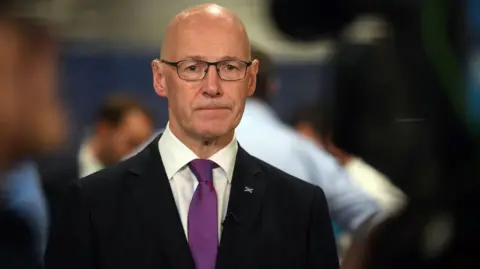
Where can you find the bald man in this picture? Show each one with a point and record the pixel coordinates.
(194, 198)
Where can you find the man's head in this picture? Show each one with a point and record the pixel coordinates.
(266, 81)
(315, 122)
(122, 126)
(205, 100)
(30, 112)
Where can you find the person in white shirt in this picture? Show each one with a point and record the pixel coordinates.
(121, 125)
(314, 123)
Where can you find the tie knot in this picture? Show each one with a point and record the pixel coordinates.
(202, 169)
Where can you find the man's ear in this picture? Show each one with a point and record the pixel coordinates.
(252, 82)
(158, 78)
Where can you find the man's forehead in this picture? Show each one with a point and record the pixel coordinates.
(202, 43)
(206, 31)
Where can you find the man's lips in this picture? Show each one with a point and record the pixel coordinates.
(212, 108)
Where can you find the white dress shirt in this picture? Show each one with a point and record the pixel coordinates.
(176, 156)
(376, 184)
(87, 162)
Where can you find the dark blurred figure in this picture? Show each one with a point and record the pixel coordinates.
(414, 132)
(31, 124)
(122, 125)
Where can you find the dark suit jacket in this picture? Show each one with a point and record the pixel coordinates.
(58, 172)
(18, 249)
(125, 217)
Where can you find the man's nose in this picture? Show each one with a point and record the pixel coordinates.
(212, 87)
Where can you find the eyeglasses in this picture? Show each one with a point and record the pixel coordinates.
(193, 70)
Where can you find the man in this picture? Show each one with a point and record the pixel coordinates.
(32, 124)
(194, 198)
(266, 137)
(122, 125)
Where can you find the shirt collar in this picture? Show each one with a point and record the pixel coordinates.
(175, 155)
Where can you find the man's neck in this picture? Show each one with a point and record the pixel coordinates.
(201, 146)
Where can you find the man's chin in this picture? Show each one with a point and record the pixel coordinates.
(212, 133)
(212, 129)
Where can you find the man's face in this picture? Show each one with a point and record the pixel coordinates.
(210, 107)
(30, 111)
(135, 129)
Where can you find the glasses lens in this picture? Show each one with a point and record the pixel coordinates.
(196, 69)
(232, 70)
(192, 69)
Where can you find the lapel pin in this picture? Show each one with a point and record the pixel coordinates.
(247, 189)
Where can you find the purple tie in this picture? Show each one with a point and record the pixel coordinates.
(202, 216)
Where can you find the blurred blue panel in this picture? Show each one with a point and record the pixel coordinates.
(473, 60)
(299, 84)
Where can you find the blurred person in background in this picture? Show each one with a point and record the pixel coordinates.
(32, 124)
(314, 122)
(352, 209)
(122, 125)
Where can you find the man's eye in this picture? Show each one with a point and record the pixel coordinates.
(231, 67)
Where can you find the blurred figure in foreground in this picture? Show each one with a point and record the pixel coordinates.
(400, 104)
(32, 124)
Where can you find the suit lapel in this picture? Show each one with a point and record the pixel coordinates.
(246, 196)
(157, 208)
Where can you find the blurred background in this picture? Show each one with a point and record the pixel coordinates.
(416, 63)
(109, 46)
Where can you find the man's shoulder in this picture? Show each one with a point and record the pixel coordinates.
(287, 194)
(279, 180)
